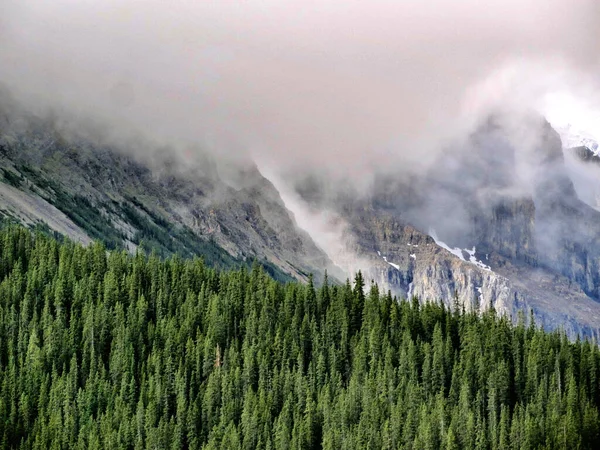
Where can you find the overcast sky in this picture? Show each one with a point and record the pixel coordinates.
(349, 85)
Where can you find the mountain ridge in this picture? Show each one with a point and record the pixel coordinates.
(126, 202)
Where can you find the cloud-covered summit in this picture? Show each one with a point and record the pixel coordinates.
(351, 86)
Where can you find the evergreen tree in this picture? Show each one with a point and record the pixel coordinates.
(107, 350)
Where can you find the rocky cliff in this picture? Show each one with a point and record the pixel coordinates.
(150, 197)
(492, 224)
(412, 263)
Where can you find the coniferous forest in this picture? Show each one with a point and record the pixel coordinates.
(106, 350)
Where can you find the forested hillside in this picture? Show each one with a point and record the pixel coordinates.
(107, 350)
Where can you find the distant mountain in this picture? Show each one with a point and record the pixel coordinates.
(485, 225)
(582, 159)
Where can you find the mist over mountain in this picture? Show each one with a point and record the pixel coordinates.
(353, 89)
(403, 139)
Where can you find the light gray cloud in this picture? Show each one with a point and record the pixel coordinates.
(348, 88)
(347, 85)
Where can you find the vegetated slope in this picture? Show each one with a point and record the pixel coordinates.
(111, 350)
(153, 200)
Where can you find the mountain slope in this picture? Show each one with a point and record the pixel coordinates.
(513, 233)
(92, 191)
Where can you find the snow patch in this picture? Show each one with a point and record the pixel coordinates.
(572, 136)
(455, 251)
(413, 256)
(474, 260)
(395, 266)
(459, 252)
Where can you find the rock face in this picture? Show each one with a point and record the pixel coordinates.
(411, 263)
(513, 233)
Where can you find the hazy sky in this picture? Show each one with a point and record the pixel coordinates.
(349, 85)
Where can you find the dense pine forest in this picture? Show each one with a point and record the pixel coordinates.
(104, 350)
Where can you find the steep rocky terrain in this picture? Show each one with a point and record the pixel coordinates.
(87, 190)
(410, 262)
(476, 228)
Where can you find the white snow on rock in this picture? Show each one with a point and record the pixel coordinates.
(455, 251)
(459, 252)
(474, 260)
(395, 266)
(571, 136)
(413, 256)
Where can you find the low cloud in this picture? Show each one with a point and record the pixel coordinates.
(351, 86)
(347, 90)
